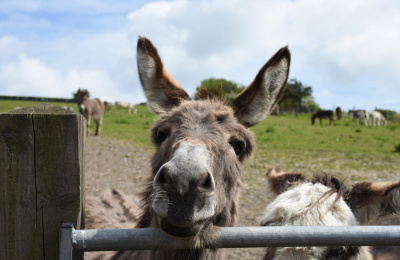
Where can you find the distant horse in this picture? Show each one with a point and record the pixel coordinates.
(377, 119)
(338, 113)
(126, 106)
(91, 109)
(323, 114)
(359, 114)
(107, 106)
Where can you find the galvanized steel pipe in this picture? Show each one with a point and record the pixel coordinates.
(239, 237)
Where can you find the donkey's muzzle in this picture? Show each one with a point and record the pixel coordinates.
(185, 190)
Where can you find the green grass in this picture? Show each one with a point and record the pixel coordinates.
(287, 141)
(130, 128)
(121, 126)
(296, 145)
(397, 148)
(7, 105)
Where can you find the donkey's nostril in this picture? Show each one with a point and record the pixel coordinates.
(207, 183)
(208, 186)
(160, 178)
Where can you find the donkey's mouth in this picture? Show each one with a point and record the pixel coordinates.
(181, 232)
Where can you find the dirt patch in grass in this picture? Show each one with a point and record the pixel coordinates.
(120, 165)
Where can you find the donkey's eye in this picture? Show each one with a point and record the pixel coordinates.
(238, 146)
(162, 135)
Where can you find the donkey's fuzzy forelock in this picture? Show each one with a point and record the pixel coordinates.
(214, 93)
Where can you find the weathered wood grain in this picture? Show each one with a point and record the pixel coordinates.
(41, 179)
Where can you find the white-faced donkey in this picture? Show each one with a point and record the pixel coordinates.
(326, 201)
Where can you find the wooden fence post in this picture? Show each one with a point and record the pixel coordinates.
(41, 179)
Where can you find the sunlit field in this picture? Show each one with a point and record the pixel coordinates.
(291, 142)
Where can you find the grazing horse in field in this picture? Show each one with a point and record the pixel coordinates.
(377, 119)
(201, 144)
(359, 114)
(91, 108)
(326, 201)
(338, 113)
(323, 114)
(127, 106)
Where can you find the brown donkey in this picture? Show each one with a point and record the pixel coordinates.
(200, 147)
(91, 109)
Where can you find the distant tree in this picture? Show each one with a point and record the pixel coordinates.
(309, 105)
(229, 89)
(294, 95)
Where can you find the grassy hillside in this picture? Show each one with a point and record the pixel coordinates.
(287, 141)
(7, 105)
(294, 144)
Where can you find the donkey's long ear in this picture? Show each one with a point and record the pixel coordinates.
(370, 201)
(257, 100)
(160, 88)
(279, 182)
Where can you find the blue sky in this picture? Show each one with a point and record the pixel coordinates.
(348, 51)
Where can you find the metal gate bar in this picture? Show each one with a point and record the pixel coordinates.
(228, 237)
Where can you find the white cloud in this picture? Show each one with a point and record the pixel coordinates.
(346, 49)
(28, 72)
(32, 77)
(335, 44)
(9, 48)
